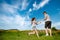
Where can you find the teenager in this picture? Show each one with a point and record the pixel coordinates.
(34, 23)
(47, 24)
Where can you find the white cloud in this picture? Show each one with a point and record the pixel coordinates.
(57, 24)
(37, 6)
(18, 4)
(24, 4)
(16, 21)
(30, 10)
(10, 9)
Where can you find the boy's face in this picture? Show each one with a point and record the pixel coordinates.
(44, 13)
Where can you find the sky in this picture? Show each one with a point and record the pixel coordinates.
(17, 14)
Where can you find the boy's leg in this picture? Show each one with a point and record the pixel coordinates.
(50, 32)
(46, 30)
(49, 26)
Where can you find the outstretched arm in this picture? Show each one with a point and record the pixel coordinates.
(39, 22)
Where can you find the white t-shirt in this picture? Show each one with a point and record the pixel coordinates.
(33, 23)
(47, 16)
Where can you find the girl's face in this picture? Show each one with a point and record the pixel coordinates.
(34, 19)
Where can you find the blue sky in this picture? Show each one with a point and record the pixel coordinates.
(17, 14)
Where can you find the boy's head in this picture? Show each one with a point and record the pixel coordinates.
(44, 12)
(33, 19)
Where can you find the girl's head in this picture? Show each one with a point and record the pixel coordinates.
(33, 19)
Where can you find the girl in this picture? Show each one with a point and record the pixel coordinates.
(34, 23)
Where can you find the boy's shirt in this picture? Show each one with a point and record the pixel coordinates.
(47, 17)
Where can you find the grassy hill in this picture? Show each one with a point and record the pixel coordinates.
(23, 35)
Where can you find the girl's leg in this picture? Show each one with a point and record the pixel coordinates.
(37, 33)
(33, 32)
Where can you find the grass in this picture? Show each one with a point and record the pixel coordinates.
(23, 35)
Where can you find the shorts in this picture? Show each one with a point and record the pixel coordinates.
(34, 27)
(48, 24)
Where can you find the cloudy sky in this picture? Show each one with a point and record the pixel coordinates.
(17, 14)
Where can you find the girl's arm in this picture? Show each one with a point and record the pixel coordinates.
(36, 22)
(39, 22)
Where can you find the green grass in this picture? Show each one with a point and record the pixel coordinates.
(23, 35)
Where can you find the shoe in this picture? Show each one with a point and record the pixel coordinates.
(47, 35)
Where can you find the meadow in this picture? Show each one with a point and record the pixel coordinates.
(23, 35)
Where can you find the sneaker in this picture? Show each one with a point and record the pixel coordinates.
(47, 35)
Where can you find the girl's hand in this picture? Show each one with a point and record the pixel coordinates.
(39, 22)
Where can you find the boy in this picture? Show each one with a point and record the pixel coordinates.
(47, 23)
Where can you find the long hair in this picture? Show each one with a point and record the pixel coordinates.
(33, 19)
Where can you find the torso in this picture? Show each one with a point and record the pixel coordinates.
(48, 18)
(33, 23)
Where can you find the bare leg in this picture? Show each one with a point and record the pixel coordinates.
(50, 32)
(31, 33)
(37, 33)
(46, 31)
